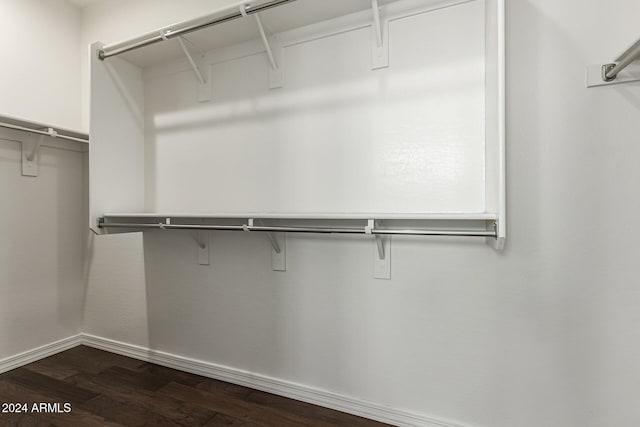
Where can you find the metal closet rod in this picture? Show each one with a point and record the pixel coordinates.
(611, 71)
(169, 33)
(324, 230)
(43, 132)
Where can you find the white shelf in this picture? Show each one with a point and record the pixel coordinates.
(297, 14)
(356, 119)
(306, 216)
(39, 126)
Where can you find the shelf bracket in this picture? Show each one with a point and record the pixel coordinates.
(380, 245)
(278, 247)
(204, 86)
(198, 239)
(202, 240)
(498, 241)
(381, 252)
(276, 79)
(31, 152)
(278, 251)
(380, 42)
(274, 242)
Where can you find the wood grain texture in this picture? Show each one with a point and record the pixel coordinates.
(106, 389)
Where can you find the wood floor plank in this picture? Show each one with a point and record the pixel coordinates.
(231, 390)
(307, 410)
(91, 360)
(12, 392)
(235, 408)
(129, 413)
(216, 402)
(139, 380)
(170, 374)
(222, 420)
(110, 390)
(175, 410)
(43, 384)
(26, 420)
(52, 368)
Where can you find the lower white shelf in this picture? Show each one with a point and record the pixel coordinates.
(473, 216)
(276, 226)
(424, 224)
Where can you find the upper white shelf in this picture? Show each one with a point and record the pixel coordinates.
(296, 14)
(364, 113)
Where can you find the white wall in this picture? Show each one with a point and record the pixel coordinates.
(542, 334)
(338, 138)
(42, 219)
(40, 70)
(42, 244)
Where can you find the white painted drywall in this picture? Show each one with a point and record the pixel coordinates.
(337, 138)
(40, 71)
(42, 219)
(42, 245)
(542, 334)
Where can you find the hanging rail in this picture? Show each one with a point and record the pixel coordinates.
(324, 230)
(49, 132)
(611, 71)
(186, 27)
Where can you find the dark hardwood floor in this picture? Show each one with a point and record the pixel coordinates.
(105, 389)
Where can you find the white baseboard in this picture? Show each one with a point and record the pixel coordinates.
(271, 385)
(38, 353)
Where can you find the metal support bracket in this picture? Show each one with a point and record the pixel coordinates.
(204, 86)
(380, 245)
(596, 75)
(274, 52)
(498, 241)
(380, 39)
(31, 152)
(202, 239)
(278, 247)
(198, 239)
(381, 252)
(274, 242)
(624, 69)
(278, 251)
